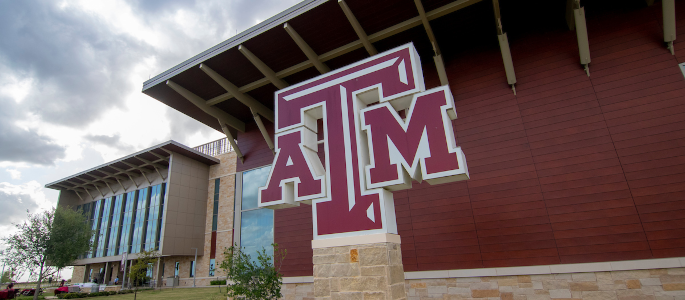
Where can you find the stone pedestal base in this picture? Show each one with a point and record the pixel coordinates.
(363, 272)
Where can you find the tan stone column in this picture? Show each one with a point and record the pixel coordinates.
(360, 271)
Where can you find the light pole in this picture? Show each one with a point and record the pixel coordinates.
(194, 264)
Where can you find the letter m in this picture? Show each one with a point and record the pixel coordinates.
(421, 147)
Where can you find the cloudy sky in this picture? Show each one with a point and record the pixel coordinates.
(71, 72)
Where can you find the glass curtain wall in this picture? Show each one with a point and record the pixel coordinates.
(127, 217)
(256, 224)
(104, 226)
(115, 227)
(129, 222)
(95, 224)
(139, 222)
(154, 218)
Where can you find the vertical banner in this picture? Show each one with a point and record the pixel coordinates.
(123, 261)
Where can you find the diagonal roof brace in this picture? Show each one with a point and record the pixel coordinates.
(262, 129)
(581, 34)
(378, 36)
(270, 74)
(142, 170)
(210, 110)
(313, 57)
(250, 102)
(79, 195)
(439, 63)
(668, 11)
(101, 193)
(504, 48)
(89, 194)
(358, 28)
(232, 141)
(154, 165)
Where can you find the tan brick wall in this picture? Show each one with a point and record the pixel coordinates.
(370, 271)
(226, 167)
(77, 274)
(298, 291)
(655, 284)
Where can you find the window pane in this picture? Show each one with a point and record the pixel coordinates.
(211, 267)
(252, 181)
(257, 231)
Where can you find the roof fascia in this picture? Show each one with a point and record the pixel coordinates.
(253, 31)
(159, 146)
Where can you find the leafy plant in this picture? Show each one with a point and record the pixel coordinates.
(253, 280)
(139, 269)
(217, 282)
(56, 236)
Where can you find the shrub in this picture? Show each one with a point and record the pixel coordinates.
(254, 280)
(217, 282)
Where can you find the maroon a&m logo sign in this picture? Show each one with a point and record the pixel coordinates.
(370, 150)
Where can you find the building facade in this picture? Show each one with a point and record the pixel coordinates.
(571, 116)
(166, 198)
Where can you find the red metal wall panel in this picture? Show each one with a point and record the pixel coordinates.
(571, 169)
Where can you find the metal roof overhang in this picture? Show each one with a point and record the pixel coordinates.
(317, 33)
(234, 82)
(150, 160)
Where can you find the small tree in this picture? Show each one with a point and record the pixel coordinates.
(253, 280)
(139, 269)
(52, 238)
(6, 277)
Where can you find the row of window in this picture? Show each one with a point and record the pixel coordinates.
(129, 222)
(256, 224)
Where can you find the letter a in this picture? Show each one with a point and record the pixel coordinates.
(297, 173)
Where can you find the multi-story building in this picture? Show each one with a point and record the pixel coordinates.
(166, 198)
(570, 114)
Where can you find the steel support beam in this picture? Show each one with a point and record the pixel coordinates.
(668, 10)
(232, 141)
(250, 102)
(262, 129)
(437, 58)
(96, 187)
(358, 28)
(378, 36)
(581, 34)
(87, 191)
(311, 55)
(504, 48)
(210, 110)
(154, 165)
(270, 74)
(129, 174)
(141, 169)
(110, 188)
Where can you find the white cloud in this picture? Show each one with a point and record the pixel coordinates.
(16, 174)
(35, 192)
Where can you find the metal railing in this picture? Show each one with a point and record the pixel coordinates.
(215, 148)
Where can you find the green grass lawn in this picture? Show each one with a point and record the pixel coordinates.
(179, 293)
